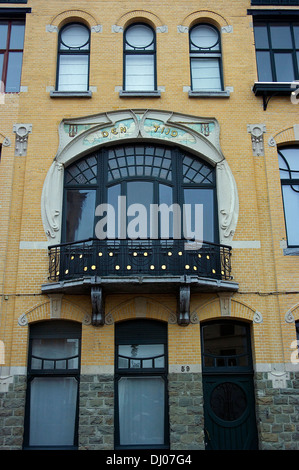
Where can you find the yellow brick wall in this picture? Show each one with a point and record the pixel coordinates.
(265, 275)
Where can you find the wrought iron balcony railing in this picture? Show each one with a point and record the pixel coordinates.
(124, 258)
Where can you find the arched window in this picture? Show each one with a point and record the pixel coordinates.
(53, 385)
(288, 158)
(205, 58)
(147, 175)
(73, 58)
(140, 58)
(141, 367)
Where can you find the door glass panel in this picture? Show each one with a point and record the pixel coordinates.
(166, 216)
(80, 213)
(53, 411)
(137, 356)
(228, 401)
(141, 410)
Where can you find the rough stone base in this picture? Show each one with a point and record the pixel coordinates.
(12, 410)
(277, 413)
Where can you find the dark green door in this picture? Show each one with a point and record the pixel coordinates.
(229, 404)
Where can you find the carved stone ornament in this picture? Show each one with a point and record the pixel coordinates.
(22, 131)
(289, 317)
(257, 317)
(183, 313)
(195, 134)
(98, 315)
(257, 138)
(225, 303)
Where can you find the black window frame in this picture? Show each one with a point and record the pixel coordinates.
(177, 183)
(203, 53)
(288, 182)
(138, 332)
(140, 51)
(55, 329)
(72, 51)
(7, 51)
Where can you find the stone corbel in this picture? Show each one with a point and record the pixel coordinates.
(98, 313)
(183, 313)
(225, 303)
(22, 131)
(257, 138)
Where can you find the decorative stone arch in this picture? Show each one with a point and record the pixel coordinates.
(139, 15)
(140, 307)
(80, 136)
(73, 15)
(205, 16)
(224, 306)
(285, 136)
(55, 308)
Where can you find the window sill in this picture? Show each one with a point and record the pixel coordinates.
(70, 94)
(291, 251)
(139, 94)
(209, 94)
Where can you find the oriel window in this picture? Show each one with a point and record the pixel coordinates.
(73, 58)
(140, 58)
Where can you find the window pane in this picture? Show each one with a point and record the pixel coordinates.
(54, 349)
(291, 210)
(17, 36)
(73, 73)
(261, 36)
(53, 411)
(296, 35)
(112, 199)
(284, 67)
(74, 36)
(281, 36)
(166, 218)
(140, 351)
(139, 192)
(3, 34)
(14, 70)
(205, 74)
(139, 36)
(141, 410)
(204, 37)
(1, 69)
(140, 73)
(80, 213)
(206, 198)
(264, 67)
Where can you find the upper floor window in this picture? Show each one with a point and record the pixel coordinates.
(289, 175)
(277, 50)
(73, 58)
(140, 58)
(205, 58)
(11, 54)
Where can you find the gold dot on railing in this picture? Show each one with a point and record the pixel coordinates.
(169, 253)
(163, 266)
(66, 271)
(72, 257)
(208, 256)
(134, 254)
(222, 272)
(110, 254)
(180, 253)
(152, 266)
(93, 267)
(129, 267)
(85, 268)
(199, 255)
(187, 266)
(213, 271)
(57, 273)
(145, 253)
(195, 268)
(117, 267)
(81, 256)
(100, 253)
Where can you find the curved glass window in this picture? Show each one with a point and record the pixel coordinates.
(73, 58)
(145, 191)
(205, 58)
(288, 158)
(139, 58)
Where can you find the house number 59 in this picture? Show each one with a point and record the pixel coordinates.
(185, 368)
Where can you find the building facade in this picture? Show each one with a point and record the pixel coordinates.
(149, 234)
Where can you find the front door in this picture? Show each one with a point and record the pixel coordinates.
(229, 404)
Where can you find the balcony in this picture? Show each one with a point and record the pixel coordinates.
(147, 266)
